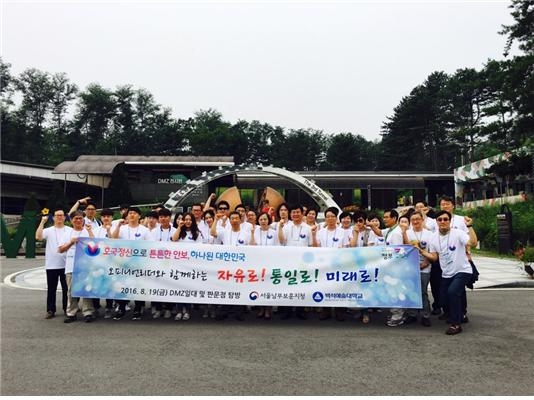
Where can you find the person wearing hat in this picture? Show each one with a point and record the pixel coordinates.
(129, 228)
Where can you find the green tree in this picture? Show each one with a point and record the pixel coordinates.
(522, 30)
(93, 122)
(348, 152)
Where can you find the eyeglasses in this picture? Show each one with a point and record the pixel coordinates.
(442, 219)
(360, 220)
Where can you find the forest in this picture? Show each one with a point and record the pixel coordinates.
(446, 121)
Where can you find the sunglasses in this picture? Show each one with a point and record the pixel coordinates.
(223, 208)
(442, 219)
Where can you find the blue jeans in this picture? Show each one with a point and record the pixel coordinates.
(451, 295)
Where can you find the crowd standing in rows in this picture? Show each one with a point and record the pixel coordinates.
(443, 241)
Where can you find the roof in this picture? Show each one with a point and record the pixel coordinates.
(104, 165)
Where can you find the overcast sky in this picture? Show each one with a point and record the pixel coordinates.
(337, 66)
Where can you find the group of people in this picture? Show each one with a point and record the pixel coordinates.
(443, 241)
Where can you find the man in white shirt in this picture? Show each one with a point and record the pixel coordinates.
(104, 231)
(235, 236)
(54, 260)
(390, 236)
(449, 246)
(131, 229)
(295, 233)
(71, 238)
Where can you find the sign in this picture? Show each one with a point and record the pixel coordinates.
(176, 179)
(378, 276)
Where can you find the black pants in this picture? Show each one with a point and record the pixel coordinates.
(435, 284)
(52, 278)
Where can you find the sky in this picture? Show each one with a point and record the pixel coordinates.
(335, 66)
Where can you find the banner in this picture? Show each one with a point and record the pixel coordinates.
(377, 276)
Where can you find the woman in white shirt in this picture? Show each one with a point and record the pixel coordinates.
(187, 232)
(264, 235)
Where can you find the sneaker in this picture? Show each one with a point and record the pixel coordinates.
(425, 321)
(127, 307)
(156, 315)
(88, 318)
(178, 317)
(119, 315)
(49, 315)
(70, 319)
(136, 316)
(395, 322)
(465, 319)
(186, 316)
(107, 313)
(167, 314)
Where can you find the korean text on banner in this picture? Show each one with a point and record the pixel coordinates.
(378, 276)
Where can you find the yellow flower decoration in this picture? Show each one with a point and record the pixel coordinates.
(45, 211)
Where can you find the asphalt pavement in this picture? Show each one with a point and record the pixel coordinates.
(493, 356)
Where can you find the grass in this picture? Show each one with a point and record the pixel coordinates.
(493, 253)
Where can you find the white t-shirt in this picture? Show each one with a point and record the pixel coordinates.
(276, 224)
(70, 253)
(391, 236)
(95, 223)
(232, 238)
(54, 238)
(451, 251)
(266, 238)
(423, 237)
(458, 222)
(331, 238)
(140, 232)
(163, 235)
(189, 238)
(347, 235)
(102, 232)
(430, 224)
(204, 230)
(371, 238)
(298, 235)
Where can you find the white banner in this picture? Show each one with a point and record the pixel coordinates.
(381, 276)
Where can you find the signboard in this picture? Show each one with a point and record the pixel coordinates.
(378, 276)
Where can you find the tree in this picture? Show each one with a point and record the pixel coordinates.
(468, 95)
(522, 30)
(416, 137)
(93, 122)
(208, 134)
(348, 152)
